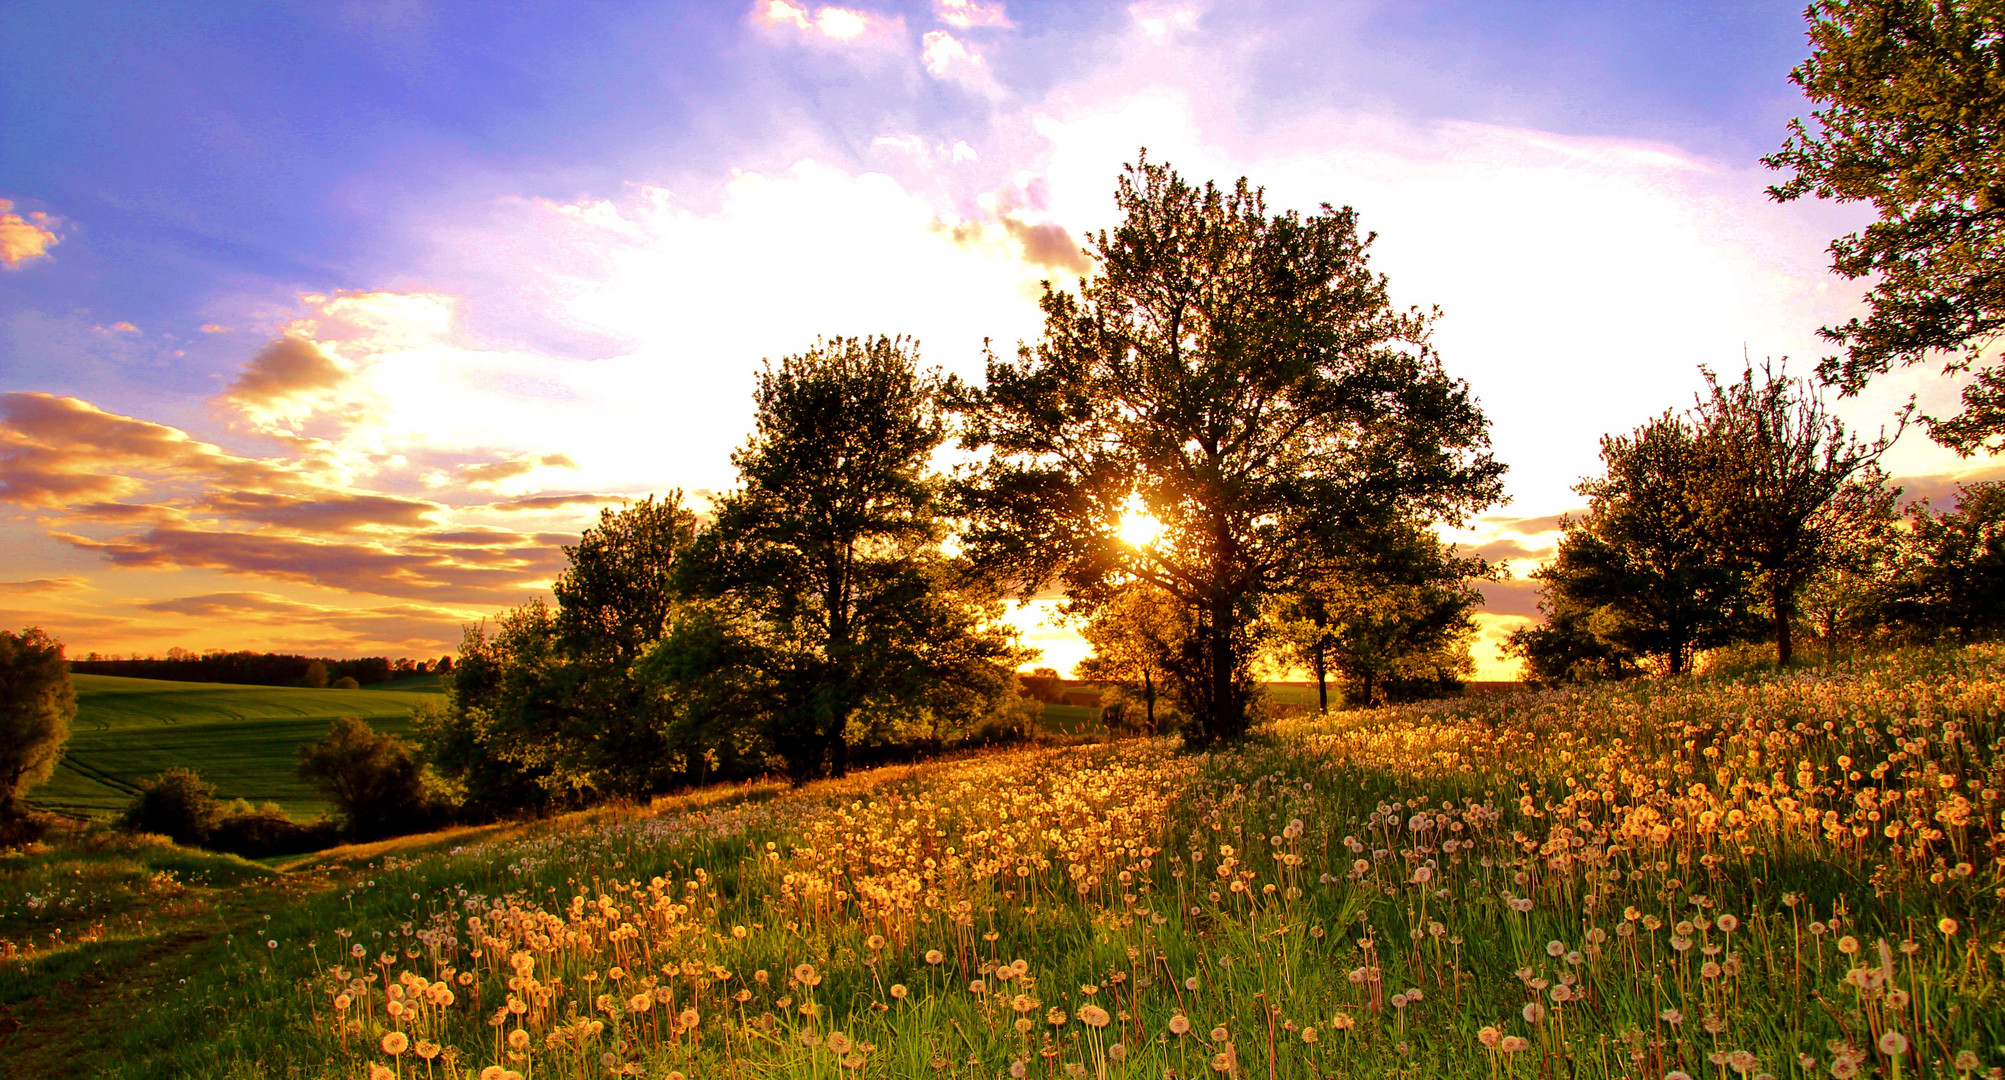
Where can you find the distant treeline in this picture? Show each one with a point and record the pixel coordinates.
(259, 669)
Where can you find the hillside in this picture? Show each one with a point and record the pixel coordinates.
(1720, 877)
(241, 738)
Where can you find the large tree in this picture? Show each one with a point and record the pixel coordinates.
(1638, 571)
(1912, 120)
(1781, 488)
(822, 579)
(1240, 376)
(36, 706)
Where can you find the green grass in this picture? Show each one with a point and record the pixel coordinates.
(243, 739)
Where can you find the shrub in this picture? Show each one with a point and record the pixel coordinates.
(177, 804)
(266, 831)
(375, 778)
(347, 682)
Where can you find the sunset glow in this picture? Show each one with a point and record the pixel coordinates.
(338, 361)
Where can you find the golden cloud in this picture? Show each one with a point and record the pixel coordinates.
(284, 370)
(24, 239)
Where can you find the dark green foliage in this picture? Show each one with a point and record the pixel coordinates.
(264, 831)
(820, 599)
(1636, 575)
(177, 804)
(1949, 573)
(36, 706)
(375, 778)
(1781, 489)
(346, 682)
(316, 675)
(242, 668)
(1390, 614)
(489, 738)
(1912, 119)
(1242, 377)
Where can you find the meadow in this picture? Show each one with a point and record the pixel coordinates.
(242, 739)
(1738, 875)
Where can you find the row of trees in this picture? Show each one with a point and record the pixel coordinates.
(1749, 517)
(259, 669)
(1227, 444)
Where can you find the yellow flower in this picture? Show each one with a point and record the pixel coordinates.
(395, 1043)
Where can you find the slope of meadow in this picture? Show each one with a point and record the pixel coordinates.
(243, 739)
(1790, 876)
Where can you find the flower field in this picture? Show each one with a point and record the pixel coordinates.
(1780, 876)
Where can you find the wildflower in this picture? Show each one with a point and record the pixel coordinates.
(1118, 1052)
(839, 1044)
(1056, 1017)
(805, 975)
(934, 956)
(1893, 1044)
(1191, 983)
(1218, 1034)
(1093, 1016)
(1728, 924)
(1966, 1060)
(1489, 1036)
(1848, 945)
(1947, 926)
(1179, 1024)
(378, 1072)
(898, 991)
(518, 1039)
(1309, 1035)
(395, 1043)
(1511, 1044)
(1221, 1062)
(1343, 1022)
(1534, 1012)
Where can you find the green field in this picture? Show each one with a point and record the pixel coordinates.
(243, 739)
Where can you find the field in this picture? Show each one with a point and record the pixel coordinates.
(1715, 877)
(240, 738)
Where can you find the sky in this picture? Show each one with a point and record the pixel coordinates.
(323, 327)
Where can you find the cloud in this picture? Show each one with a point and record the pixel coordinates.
(362, 567)
(323, 513)
(494, 472)
(1518, 596)
(215, 328)
(830, 23)
(1001, 221)
(557, 501)
(57, 451)
(970, 13)
(24, 239)
(284, 370)
(1942, 490)
(948, 57)
(38, 586)
(1162, 18)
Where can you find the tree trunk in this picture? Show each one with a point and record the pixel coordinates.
(1227, 720)
(1149, 697)
(1784, 647)
(1322, 683)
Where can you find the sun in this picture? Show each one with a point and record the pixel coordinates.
(1138, 527)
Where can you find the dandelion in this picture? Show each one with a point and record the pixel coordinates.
(1848, 945)
(1893, 1043)
(518, 1039)
(1966, 1060)
(1218, 1034)
(839, 1044)
(898, 991)
(1093, 1016)
(1534, 1012)
(1179, 1024)
(1947, 926)
(1309, 1035)
(1511, 1044)
(395, 1043)
(934, 956)
(378, 1072)
(806, 976)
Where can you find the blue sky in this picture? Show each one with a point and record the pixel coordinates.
(407, 267)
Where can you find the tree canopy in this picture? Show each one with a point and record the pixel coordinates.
(1239, 376)
(1912, 120)
(36, 706)
(822, 578)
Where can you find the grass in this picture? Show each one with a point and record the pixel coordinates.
(243, 739)
(1723, 877)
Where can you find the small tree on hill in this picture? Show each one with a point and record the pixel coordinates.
(36, 706)
(316, 675)
(375, 778)
(177, 804)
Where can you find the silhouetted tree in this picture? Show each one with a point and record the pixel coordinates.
(1780, 487)
(822, 574)
(316, 675)
(1949, 572)
(1913, 121)
(1637, 572)
(1242, 377)
(36, 706)
(177, 804)
(375, 779)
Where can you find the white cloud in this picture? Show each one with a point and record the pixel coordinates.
(970, 13)
(1162, 18)
(830, 23)
(948, 57)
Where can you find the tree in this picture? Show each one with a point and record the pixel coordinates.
(376, 779)
(36, 706)
(177, 804)
(316, 675)
(1396, 609)
(1637, 572)
(493, 737)
(1137, 635)
(1781, 489)
(822, 575)
(1241, 378)
(616, 596)
(1949, 575)
(1913, 121)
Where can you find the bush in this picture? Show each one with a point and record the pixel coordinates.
(177, 804)
(376, 779)
(266, 831)
(347, 682)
